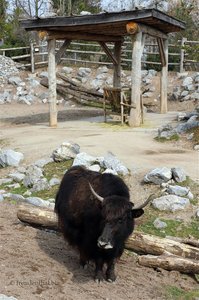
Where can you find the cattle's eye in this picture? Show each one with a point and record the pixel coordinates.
(120, 220)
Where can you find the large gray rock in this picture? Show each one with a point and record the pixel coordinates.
(4, 297)
(66, 151)
(84, 159)
(82, 72)
(42, 162)
(39, 202)
(112, 162)
(158, 224)
(10, 158)
(15, 80)
(17, 177)
(16, 197)
(54, 181)
(33, 174)
(179, 191)
(178, 174)
(170, 203)
(41, 185)
(158, 176)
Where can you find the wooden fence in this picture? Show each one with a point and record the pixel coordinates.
(88, 54)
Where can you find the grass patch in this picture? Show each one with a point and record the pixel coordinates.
(54, 169)
(195, 131)
(174, 227)
(174, 137)
(174, 293)
(3, 142)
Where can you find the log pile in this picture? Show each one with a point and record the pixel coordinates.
(77, 92)
(155, 252)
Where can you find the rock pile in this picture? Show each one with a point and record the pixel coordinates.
(188, 88)
(7, 68)
(186, 121)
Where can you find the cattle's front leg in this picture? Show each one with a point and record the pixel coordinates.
(83, 260)
(110, 272)
(99, 270)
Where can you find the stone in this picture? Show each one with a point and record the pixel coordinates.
(101, 70)
(181, 116)
(10, 158)
(66, 151)
(38, 202)
(112, 162)
(1, 197)
(170, 203)
(84, 72)
(42, 162)
(197, 213)
(4, 297)
(16, 197)
(13, 186)
(5, 180)
(41, 185)
(67, 70)
(33, 174)
(158, 176)
(158, 224)
(196, 147)
(54, 181)
(179, 191)
(110, 171)
(178, 174)
(15, 80)
(84, 159)
(43, 74)
(17, 177)
(187, 81)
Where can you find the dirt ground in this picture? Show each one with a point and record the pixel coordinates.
(38, 264)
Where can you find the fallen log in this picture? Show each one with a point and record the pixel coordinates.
(150, 244)
(80, 95)
(170, 262)
(37, 216)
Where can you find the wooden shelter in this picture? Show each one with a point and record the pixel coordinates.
(109, 27)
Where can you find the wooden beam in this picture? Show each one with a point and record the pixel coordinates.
(161, 50)
(61, 51)
(52, 83)
(163, 79)
(134, 27)
(135, 117)
(108, 52)
(82, 36)
(117, 67)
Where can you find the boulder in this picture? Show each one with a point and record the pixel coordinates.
(158, 224)
(179, 191)
(84, 159)
(66, 151)
(158, 176)
(33, 174)
(112, 162)
(178, 174)
(170, 203)
(10, 158)
(41, 185)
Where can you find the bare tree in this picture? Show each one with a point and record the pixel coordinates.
(33, 8)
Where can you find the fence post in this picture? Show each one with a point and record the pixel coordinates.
(32, 59)
(182, 52)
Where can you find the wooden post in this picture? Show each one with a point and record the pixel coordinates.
(117, 66)
(135, 118)
(182, 52)
(163, 80)
(52, 83)
(32, 58)
(62, 50)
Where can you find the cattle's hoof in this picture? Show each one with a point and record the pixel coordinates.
(111, 278)
(99, 278)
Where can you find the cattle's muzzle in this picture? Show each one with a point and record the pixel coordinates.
(105, 240)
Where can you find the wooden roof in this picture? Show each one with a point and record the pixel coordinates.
(105, 24)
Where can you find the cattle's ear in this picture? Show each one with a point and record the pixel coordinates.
(136, 213)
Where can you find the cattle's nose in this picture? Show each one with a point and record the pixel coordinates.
(104, 244)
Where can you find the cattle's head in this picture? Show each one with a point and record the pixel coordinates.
(118, 219)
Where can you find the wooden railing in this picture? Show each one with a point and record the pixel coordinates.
(87, 54)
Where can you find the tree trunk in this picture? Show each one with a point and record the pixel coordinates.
(149, 244)
(170, 262)
(37, 216)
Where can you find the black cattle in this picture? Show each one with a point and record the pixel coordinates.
(96, 216)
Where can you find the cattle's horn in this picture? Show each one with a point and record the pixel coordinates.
(150, 198)
(95, 194)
